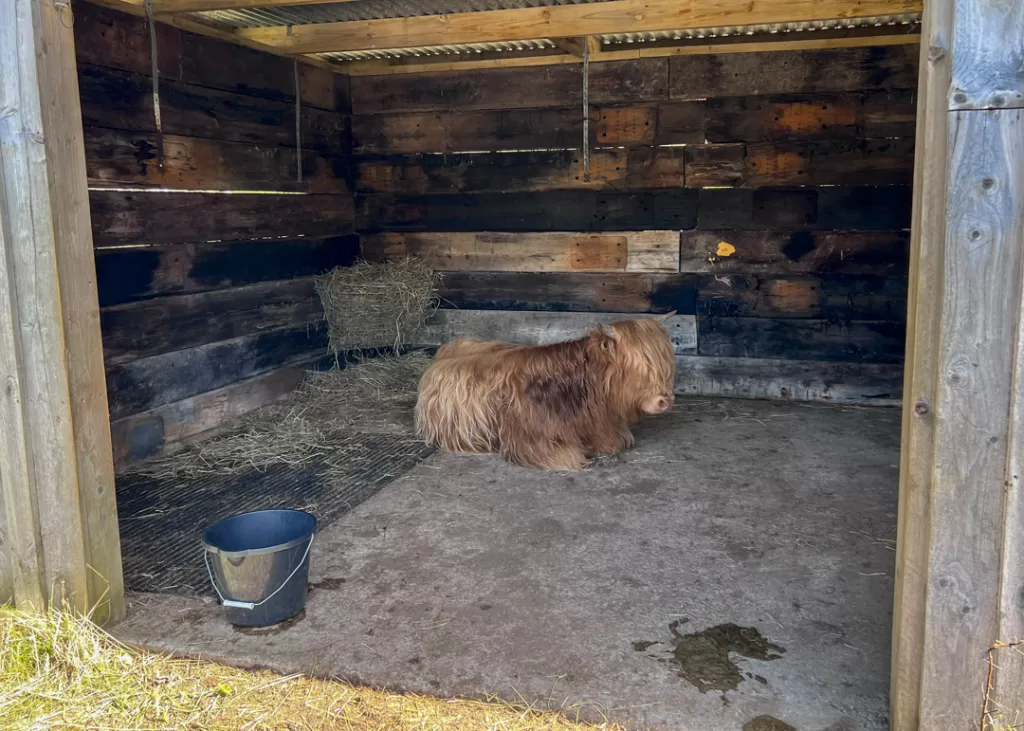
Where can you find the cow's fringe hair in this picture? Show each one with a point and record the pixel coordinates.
(550, 406)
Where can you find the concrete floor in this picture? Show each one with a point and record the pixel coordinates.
(608, 590)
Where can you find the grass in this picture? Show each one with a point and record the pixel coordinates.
(59, 671)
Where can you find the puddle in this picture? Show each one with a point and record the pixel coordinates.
(702, 658)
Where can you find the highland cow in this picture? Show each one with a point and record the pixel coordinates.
(547, 406)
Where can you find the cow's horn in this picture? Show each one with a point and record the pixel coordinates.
(662, 318)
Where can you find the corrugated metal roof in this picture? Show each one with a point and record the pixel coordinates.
(613, 41)
(367, 10)
(379, 9)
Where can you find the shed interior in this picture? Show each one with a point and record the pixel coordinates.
(759, 187)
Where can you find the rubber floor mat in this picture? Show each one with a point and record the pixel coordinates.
(161, 520)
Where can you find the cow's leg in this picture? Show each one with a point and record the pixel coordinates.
(610, 438)
(547, 456)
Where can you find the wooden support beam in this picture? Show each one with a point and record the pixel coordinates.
(56, 466)
(167, 7)
(560, 21)
(959, 580)
(575, 46)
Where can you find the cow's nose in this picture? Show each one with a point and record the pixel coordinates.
(663, 403)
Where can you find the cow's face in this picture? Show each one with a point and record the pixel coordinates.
(658, 404)
(646, 364)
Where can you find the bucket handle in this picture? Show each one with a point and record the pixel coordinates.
(252, 605)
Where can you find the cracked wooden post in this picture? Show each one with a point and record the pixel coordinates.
(56, 469)
(960, 560)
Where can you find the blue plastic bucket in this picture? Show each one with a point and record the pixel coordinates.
(259, 564)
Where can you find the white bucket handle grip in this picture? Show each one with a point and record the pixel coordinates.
(252, 605)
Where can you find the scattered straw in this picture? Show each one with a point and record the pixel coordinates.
(59, 671)
(377, 305)
(375, 396)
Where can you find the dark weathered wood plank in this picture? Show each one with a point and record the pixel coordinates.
(865, 207)
(121, 100)
(119, 158)
(168, 428)
(793, 72)
(161, 325)
(616, 82)
(148, 383)
(730, 251)
(819, 162)
(424, 132)
(715, 165)
(789, 380)
(131, 274)
(846, 162)
(105, 37)
(783, 118)
(151, 218)
(569, 291)
(637, 169)
(834, 298)
(888, 114)
(567, 210)
(758, 209)
(634, 251)
(755, 337)
(539, 328)
(663, 123)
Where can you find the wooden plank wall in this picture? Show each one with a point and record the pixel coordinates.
(766, 196)
(205, 239)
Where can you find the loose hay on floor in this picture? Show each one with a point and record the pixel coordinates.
(58, 671)
(375, 396)
(377, 305)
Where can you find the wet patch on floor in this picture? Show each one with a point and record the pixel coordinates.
(274, 629)
(702, 658)
(328, 584)
(643, 645)
(767, 723)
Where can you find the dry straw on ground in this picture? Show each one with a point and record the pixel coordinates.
(374, 396)
(58, 671)
(377, 305)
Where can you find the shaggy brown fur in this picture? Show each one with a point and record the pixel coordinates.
(548, 406)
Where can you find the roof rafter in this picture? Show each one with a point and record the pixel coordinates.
(562, 21)
(170, 7)
(200, 27)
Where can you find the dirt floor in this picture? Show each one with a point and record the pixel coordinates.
(733, 571)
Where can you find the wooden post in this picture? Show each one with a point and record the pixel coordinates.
(960, 560)
(56, 468)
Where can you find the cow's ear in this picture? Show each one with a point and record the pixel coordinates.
(608, 337)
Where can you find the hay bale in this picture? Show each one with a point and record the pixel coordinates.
(377, 305)
(374, 396)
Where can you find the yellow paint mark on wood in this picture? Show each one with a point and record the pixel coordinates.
(725, 249)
